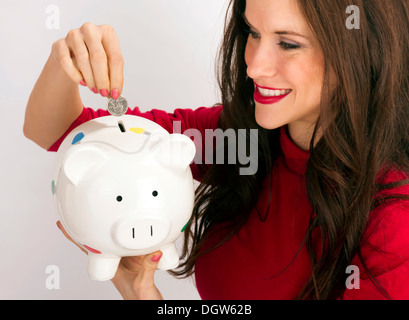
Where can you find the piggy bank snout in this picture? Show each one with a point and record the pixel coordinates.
(140, 233)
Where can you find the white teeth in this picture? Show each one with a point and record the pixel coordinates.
(272, 93)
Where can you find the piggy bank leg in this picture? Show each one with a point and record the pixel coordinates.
(169, 259)
(102, 268)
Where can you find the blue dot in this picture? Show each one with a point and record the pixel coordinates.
(77, 138)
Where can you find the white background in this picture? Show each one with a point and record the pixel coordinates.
(169, 47)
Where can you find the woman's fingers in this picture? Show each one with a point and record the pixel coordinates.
(80, 57)
(93, 35)
(144, 284)
(149, 265)
(91, 56)
(135, 277)
(111, 45)
(63, 55)
(132, 264)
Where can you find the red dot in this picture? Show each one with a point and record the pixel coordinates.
(91, 249)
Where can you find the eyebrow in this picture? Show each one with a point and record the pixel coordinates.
(282, 32)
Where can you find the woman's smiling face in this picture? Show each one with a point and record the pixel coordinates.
(286, 63)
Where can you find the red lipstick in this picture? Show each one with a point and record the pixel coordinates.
(263, 99)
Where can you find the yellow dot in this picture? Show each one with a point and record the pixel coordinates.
(137, 130)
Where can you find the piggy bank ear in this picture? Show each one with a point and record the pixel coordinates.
(81, 159)
(174, 150)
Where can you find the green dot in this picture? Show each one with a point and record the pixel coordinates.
(52, 187)
(185, 226)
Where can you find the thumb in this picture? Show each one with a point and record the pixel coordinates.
(144, 284)
(148, 267)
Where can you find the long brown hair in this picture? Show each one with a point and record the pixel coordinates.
(364, 127)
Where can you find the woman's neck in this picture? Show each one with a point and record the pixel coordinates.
(301, 135)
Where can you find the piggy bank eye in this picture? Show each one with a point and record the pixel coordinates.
(119, 198)
(155, 193)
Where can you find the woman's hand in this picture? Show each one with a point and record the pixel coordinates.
(91, 56)
(88, 56)
(134, 278)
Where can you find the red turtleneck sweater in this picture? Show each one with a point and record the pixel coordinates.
(265, 259)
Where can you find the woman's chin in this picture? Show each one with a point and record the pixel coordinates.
(267, 121)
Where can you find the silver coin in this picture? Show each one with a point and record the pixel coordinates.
(117, 107)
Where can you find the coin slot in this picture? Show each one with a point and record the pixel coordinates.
(151, 231)
(133, 233)
(121, 126)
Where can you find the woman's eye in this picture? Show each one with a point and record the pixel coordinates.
(288, 46)
(254, 34)
(251, 33)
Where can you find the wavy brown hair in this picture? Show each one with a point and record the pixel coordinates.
(364, 127)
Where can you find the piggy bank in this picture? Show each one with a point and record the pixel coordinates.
(123, 187)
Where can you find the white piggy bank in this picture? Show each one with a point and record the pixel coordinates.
(123, 187)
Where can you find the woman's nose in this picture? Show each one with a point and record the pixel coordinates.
(261, 60)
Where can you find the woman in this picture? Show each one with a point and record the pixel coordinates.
(330, 193)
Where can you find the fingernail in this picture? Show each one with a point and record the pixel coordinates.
(82, 82)
(156, 257)
(104, 92)
(94, 90)
(115, 94)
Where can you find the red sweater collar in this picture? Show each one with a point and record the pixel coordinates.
(294, 157)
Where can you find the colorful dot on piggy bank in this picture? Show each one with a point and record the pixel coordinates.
(123, 187)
